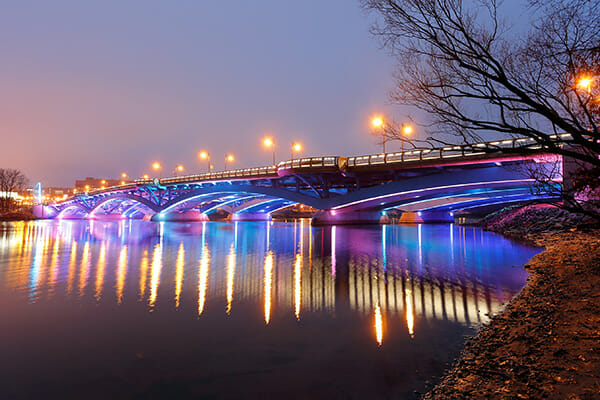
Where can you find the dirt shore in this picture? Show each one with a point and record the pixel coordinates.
(546, 343)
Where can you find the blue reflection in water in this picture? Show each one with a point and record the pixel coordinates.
(266, 296)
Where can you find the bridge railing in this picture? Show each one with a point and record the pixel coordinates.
(311, 162)
(210, 176)
(447, 152)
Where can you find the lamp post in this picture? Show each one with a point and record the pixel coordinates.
(178, 168)
(229, 158)
(406, 130)
(378, 123)
(268, 142)
(157, 167)
(206, 156)
(295, 147)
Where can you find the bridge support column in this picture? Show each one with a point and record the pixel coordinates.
(41, 211)
(335, 217)
(251, 217)
(188, 216)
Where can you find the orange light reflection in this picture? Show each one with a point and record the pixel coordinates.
(179, 266)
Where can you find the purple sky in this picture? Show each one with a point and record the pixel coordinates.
(98, 88)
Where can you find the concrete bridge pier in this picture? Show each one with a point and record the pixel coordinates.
(337, 217)
(249, 216)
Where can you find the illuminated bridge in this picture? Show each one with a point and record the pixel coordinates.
(415, 186)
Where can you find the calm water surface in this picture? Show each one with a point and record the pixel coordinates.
(133, 309)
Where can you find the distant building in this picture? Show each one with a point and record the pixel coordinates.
(90, 183)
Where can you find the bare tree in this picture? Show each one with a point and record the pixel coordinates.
(11, 180)
(476, 75)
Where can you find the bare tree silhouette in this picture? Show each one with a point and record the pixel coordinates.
(11, 180)
(475, 75)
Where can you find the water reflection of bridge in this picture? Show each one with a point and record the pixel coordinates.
(105, 262)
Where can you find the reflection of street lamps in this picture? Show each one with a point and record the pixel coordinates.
(406, 130)
(268, 142)
(295, 147)
(378, 123)
(229, 158)
(206, 156)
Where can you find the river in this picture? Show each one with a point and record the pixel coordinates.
(134, 309)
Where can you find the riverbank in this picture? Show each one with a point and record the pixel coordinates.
(546, 343)
(17, 216)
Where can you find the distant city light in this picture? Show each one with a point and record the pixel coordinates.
(180, 168)
(203, 155)
(156, 165)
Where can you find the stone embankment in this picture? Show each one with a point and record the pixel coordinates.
(546, 343)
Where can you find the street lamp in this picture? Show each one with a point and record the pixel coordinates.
(378, 123)
(205, 156)
(229, 158)
(177, 169)
(406, 130)
(123, 175)
(145, 176)
(295, 147)
(585, 83)
(268, 142)
(156, 166)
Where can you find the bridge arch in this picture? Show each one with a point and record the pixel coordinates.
(72, 210)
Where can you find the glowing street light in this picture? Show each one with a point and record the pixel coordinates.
(103, 181)
(204, 155)
(157, 167)
(268, 142)
(378, 123)
(145, 176)
(585, 83)
(178, 168)
(295, 147)
(229, 158)
(406, 131)
(123, 175)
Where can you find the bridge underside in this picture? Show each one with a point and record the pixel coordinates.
(426, 195)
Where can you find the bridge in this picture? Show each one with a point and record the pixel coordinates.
(424, 185)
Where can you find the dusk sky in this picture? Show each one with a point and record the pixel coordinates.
(95, 89)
